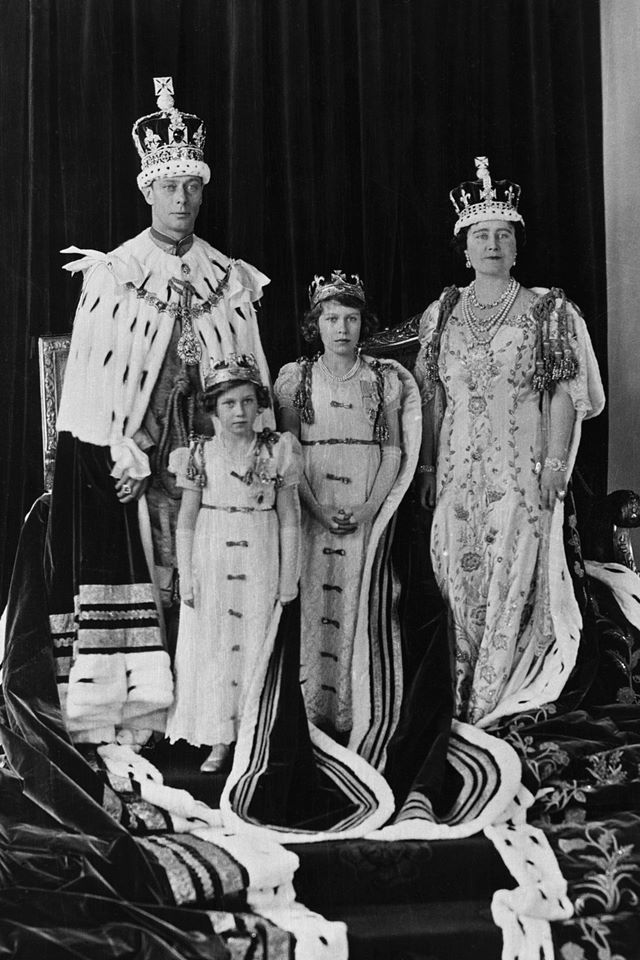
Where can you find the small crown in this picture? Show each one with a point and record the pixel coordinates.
(236, 366)
(170, 143)
(484, 199)
(321, 289)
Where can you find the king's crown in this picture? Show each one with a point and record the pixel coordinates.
(169, 142)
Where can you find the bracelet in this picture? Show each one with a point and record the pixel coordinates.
(555, 464)
(426, 468)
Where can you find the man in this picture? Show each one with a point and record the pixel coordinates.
(152, 316)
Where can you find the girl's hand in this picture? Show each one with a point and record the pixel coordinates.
(553, 487)
(334, 520)
(287, 594)
(426, 490)
(186, 596)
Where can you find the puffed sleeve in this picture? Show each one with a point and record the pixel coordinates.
(585, 389)
(179, 464)
(392, 388)
(428, 323)
(287, 384)
(289, 459)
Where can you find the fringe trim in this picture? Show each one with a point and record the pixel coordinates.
(555, 358)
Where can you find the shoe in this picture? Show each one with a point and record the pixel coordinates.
(216, 759)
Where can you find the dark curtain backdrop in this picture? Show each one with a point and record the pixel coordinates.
(336, 129)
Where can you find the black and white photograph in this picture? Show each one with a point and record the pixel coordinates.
(320, 480)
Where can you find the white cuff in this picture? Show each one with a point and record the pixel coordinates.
(127, 455)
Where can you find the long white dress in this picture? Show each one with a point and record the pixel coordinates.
(341, 460)
(235, 583)
(490, 534)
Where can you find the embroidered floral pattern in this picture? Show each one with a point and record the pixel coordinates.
(488, 522)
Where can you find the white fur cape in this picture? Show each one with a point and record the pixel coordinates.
(124, 322)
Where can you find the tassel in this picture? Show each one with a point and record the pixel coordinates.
(302, 398)
(555, 359)
(380, 428)
(196, 470)
(448, 300)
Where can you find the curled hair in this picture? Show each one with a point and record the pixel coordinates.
(310, 322)
(213, 394)
(459, 242)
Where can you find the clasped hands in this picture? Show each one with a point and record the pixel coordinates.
(129, 488)
(342, 522)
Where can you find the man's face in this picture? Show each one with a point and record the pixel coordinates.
(175, 202)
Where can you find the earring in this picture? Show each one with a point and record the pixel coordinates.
(467, 262)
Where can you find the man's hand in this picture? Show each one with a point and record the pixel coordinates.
(425, 484)
(129, 489)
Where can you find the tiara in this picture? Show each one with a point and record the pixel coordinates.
(170, 143)
(321, 289)
(236, 366)
(484, 199)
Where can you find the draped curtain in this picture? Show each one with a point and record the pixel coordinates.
(336, 129)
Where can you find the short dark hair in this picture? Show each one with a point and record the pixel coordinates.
(459, 242)
(213, 394)
(311, 330)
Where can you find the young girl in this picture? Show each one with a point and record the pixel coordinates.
(344, 408)
(237, 545)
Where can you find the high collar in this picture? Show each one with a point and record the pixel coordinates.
(177, 248)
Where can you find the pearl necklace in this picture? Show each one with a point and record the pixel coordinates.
(473, 296)
(345, 376)
(484, 329)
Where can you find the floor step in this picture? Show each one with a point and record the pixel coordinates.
(448, 930)
(355, 872)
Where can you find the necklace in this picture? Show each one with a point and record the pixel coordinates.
(484, 329)
(473, 296)
(345, 376)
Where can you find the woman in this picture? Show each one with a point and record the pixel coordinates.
(506, 375)
(345, 409)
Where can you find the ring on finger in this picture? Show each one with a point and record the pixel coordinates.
(561, 494)
(126, 488)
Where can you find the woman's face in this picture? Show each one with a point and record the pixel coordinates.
(339, 328)
(237, 409)
(492, 247)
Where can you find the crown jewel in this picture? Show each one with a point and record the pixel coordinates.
(321, 289)
(170, 143)
(484, 199)
(235, 366)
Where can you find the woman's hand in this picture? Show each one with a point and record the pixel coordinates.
(426, 490)
(129, 489)
(553, 486)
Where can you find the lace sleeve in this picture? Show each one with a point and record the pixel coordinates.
(287, 384)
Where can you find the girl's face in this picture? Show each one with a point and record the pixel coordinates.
(237, 409)
(339, 328)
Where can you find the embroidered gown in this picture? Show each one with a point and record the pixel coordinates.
(490, 534)
(235, 583)
(341, 459)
